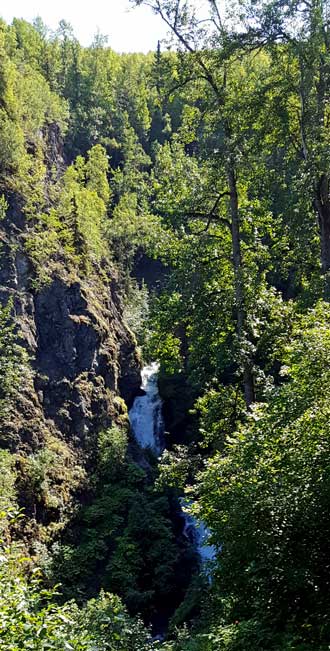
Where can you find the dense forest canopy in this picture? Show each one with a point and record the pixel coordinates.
(173, 206)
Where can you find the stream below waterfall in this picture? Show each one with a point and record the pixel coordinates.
(148, 428)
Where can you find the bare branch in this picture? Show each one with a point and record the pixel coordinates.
(186, 44)
(177, 13)
(211, 216)
(180, 84)
(216, 10)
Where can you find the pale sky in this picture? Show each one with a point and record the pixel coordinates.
(129, 30)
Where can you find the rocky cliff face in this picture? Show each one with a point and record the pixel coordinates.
(85, 357)
(82, 354)
(84, 371)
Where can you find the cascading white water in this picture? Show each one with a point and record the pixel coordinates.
(147, 425)
(146, 413)
(198, 533)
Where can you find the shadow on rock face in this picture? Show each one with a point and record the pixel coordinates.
(67, 340)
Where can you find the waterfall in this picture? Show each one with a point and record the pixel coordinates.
(147, 425)
(197, 532)
(146, 416)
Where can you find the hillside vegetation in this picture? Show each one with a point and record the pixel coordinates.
(173, 206)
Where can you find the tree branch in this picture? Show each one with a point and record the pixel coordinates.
(216, 10)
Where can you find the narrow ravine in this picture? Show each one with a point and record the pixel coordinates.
(147, 425)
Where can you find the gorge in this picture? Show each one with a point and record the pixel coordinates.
(170, 206)
(148, 428)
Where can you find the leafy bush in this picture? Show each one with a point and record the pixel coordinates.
(30, 618)
(266, 499)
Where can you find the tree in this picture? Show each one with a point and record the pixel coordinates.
(209, 60)
(13, 357)
(299, 31)
(265, 498)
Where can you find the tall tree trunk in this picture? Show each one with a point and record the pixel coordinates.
(322, 205)
(248, 380)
